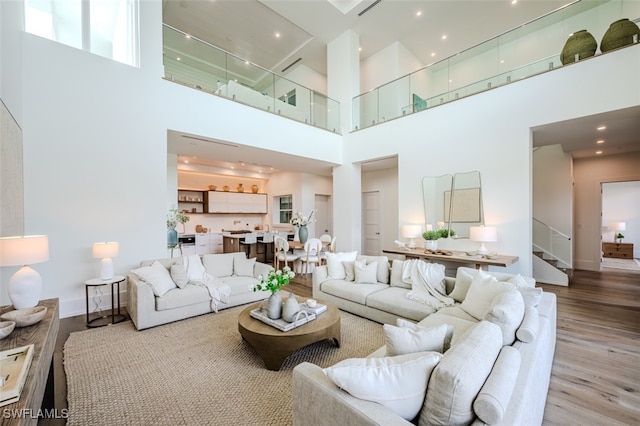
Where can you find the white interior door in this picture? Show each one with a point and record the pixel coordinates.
(323, 215)
(371, 223)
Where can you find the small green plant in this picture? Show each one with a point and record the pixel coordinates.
(619, 235)
(436, 235)
(174, 217)
(274, 281)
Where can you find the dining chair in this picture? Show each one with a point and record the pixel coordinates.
(282, 254)
(330, 248)
(325, 238)
(312, 249)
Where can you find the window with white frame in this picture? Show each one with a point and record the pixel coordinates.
(285, 207)
(107, 28)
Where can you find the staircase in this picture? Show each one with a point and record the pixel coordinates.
(552, 255)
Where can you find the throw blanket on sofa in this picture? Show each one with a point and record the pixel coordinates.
(198, 276)
(427, 283)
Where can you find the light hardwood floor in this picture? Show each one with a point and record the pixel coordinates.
(596, 371)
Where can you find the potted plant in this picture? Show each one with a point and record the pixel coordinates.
(273, 282)
(431, 237)
(619, 237)
(173, 218)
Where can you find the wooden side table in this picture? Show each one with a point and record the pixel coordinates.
(618, 250)
(102, 320)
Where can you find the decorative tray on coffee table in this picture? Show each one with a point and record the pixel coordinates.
(281, 324)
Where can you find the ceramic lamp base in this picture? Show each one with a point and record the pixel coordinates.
(25, 288)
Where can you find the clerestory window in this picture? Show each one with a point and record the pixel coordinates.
(108, 28)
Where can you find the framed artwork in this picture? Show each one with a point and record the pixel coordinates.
(466, 206)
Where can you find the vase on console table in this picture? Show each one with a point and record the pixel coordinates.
(303, 233)
(274, 306)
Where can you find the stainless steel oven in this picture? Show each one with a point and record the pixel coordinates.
(187, 239)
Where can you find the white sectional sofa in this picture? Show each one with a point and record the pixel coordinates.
(233, 274)
(494, 369)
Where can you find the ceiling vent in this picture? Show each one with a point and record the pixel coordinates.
(291, 64)
(369, 7)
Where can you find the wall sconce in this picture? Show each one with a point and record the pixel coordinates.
(25, 286)
(483, 234)
(106, 251)
(411, 232)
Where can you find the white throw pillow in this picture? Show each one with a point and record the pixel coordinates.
(507, 311)
(396, 275)
(520, 282)
(243, 267)
(531, 295)
(484, 288)
(179, 275)
(157, 277)
(462, 284)
(382, 274)
(413, 326)
(398, 383)
(349, 271)
(406, 340)
(366, 274)
(335, 268)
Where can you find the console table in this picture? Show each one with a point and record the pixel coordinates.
(38, 388)
(457, 257)
(618, 250)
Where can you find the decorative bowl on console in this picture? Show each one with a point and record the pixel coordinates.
(25, 317)
(212, 187)
(6, 327)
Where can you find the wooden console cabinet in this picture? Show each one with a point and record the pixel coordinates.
(619, 250)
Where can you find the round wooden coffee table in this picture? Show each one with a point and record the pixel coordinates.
(274, 346)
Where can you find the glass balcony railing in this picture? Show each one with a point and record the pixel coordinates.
(553, 243)
(526, 51)
(202, 66)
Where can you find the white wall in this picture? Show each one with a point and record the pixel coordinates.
(490, 132)
(553, 188)
(589, 174)
(95, 150)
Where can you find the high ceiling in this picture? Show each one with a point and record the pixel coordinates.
(275, 33)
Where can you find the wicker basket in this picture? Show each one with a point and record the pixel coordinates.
(580, 43)
(619, 34)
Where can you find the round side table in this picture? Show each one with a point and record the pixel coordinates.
(115, 316)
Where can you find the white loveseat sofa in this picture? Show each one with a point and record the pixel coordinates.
(233, 274)
(494, 369)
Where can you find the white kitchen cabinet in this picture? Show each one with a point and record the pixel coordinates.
(235, 202)
(216, 243)
(202, 244)
(188, 250)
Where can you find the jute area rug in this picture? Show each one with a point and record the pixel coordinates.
(197, 371)
(624, 264)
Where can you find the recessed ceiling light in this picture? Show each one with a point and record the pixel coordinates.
(598, 152)
(444, 36)
(277, 35)
(187, 36)
(186, 161)
(502, 61)
(433, 54)
(246, 62)
(178, 58)
(600, 141)
(232, 167)
(514, 1)
(359, 49)
(602, 128)
(419, 13)
(450, 81)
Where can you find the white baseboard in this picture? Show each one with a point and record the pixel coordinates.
(74, 307)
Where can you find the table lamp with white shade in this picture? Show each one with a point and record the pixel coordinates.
(106, 251)
(483, 234)
(411, 232)
(616, 227)
(25, 286)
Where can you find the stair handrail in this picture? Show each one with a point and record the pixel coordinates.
(553, 229)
